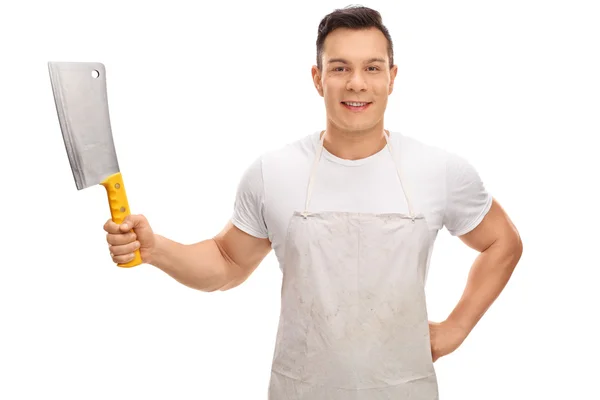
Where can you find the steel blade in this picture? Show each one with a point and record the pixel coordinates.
(81, 101)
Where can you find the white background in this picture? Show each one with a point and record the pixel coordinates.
(196, 93)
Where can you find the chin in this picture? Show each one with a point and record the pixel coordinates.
(358, 126)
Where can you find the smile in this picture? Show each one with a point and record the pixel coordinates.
(356, 105)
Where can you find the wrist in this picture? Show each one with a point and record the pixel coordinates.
(459, 325)
(156, 251)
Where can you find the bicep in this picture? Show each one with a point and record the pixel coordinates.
(495, 227)
(242, 251)
(244, 242)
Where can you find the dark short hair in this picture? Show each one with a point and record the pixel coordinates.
(352, 17)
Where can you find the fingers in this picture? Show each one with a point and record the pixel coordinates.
(124, 248)
(123, 259)
(123, 253)
(118, 239)
(122, 239)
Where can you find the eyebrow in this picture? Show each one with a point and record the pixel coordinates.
(343, 61)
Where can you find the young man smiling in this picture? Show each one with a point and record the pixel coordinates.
(352, 213)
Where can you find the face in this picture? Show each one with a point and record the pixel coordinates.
(355, 80)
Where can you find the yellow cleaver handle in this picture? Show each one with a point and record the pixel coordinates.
(119, 208)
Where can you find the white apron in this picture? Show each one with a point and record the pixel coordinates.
(353, 323)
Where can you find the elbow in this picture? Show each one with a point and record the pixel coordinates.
(519, 249)
(507, 250)
(517, 245)
(224, 283)
(234, 279)
(513, 249)
(230, 285)
(219, 279)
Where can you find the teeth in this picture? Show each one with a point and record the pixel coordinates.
(355, 104)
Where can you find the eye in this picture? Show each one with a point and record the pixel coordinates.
(374, 68)
(338, 69)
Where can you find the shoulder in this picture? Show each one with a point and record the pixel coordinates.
(279, 158)
(446, 185)
(422, 162)
(450, 183)
(268, 183)
(419, 151)
(283, 166)
(292, 152)
(276, 169)
(431, 159)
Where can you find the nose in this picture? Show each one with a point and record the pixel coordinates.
(356, 82)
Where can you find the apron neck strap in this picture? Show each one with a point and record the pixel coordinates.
(318, 158)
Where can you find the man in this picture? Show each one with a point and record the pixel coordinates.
(352, 213)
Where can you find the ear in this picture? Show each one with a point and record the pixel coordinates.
(316, 76)
(393, 73)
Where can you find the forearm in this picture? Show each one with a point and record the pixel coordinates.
(200, 266)
(487, 278)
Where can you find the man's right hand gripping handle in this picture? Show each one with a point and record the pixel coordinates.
(219, 263)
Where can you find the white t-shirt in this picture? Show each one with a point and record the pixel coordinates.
(442, 186)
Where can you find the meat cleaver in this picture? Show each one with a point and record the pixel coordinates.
(80, 96)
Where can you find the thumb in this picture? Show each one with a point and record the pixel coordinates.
(130, 222)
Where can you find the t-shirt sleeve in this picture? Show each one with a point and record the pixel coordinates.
(467, 199)
(248, 209)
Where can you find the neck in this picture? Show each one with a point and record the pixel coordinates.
(354, 145)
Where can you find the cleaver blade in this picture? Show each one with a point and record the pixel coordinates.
(80, 97)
